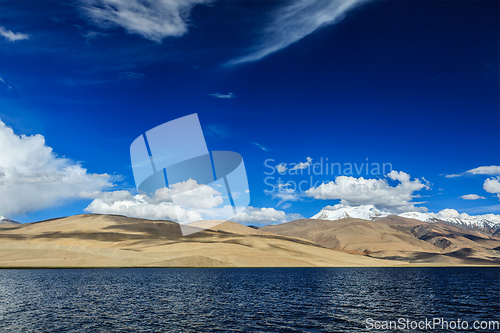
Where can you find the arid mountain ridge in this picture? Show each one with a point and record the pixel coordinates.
(92, 240)
(399, 238)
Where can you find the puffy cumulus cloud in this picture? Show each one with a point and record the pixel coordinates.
(151, 19)
(33, 177)
(492, 185)
(294, 21)
(281, 168)
(12, 36)
(378, 192)
(253, 215)
(141, 206)
(486, 170)
(192, 203)
(190, 194)
(198, 204)
(472, 197)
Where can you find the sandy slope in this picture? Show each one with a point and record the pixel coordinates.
(106, 240)
(398, 238)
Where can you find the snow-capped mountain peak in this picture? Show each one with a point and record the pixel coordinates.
(452, 216)
(4, 220)
(341, 211)
(370, 212)
(424, 217)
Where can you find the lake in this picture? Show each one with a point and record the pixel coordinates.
(243, 299)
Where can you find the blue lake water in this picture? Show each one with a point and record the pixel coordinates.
(241, 299)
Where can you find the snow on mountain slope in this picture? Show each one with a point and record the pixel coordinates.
(4, 220)
(424, 217)
(340, 211)
(369, 212)
(452, 216)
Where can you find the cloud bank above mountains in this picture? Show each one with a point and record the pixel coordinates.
(203, 205)
(378, 192)
(33, 177)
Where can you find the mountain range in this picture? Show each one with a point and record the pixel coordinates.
(412, 237)
(370, 212)
(6, 221)
(337, 236)
(93, 240)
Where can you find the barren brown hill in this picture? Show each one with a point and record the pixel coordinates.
(398, 238)
(116, 241)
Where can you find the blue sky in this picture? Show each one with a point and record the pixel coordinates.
(410, 83)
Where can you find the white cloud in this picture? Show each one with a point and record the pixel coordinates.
(282, 192)
(359, 191)
(151, 19)
(471, 197)
(486, 170)
(295, 21)
(93, 35)
(492, 185)
(302, 165)
(453, 175)
(193, 202)
(196, 206)
(281, 168)
(33, 177)
(12, 36)
(190, 194)
(285, 194)
(264, 216)
(482, 170)
(141, 206)
(223, 96)
(261, 146)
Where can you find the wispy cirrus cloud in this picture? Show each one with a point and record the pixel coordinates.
(12, 36)
(295, 21)
(131, 76)
(454, 175)
(89, 35)
(485, 170)
(491, 170)
(223, 96)
(302, 165)
(150, 19)
(261, 146)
